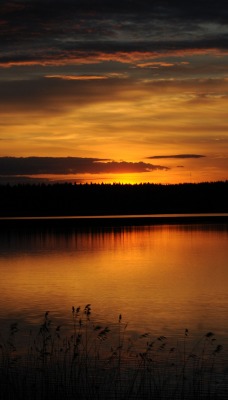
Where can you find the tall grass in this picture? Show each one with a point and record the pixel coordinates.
(92, 361)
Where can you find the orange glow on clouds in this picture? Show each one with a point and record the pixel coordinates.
(117, 56)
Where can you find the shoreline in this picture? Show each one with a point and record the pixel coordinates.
(112, 220)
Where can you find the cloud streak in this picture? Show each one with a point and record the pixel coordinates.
(181, 156)
(77, 77)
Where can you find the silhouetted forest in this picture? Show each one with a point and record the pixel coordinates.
(105, 199)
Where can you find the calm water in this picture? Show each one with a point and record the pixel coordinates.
(162, 278)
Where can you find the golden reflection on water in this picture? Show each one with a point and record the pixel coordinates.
(161, 278)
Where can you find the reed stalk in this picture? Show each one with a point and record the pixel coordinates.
(95, 362)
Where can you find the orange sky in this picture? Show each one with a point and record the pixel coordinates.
(116, 84)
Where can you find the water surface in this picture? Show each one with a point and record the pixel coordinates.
(161, 278)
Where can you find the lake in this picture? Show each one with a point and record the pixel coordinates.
(162, 278)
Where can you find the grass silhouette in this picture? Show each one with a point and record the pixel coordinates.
(95, 362)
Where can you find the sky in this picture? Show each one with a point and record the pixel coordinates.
(126, 91)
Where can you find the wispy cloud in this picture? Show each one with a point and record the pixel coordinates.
(60, 92)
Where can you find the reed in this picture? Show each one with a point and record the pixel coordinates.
(93, 361)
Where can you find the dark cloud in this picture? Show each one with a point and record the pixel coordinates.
(177, 156)
(43, 31)
(13, 166)
(48, 9)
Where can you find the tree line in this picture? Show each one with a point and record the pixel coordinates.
(67, 199)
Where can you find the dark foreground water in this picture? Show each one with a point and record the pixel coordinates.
(168, 281)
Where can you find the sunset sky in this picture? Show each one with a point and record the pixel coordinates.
(100, 91)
